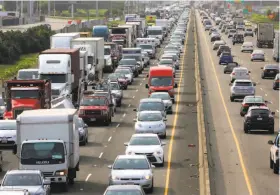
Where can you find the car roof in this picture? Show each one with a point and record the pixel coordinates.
(240, 68)
(123, 156)
(160, 93)
(150, 100)
(124, 187)
(24, 171)
(248, 43)
(150, 112)
(271, 66)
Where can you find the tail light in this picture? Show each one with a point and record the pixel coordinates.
(277, 153)
(233, 73)
(245, 105)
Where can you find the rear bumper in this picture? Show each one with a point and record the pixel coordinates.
(260, 126)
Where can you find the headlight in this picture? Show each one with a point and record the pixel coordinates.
(147, 177)
(82, 112)
(61, 172)
(158, 152)
(115, 178)
(104, 112)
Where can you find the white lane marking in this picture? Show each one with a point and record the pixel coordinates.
(117, 125)
(88, 177)
(136, 90)
(129, 105)
(261, 88)
(100, 154)
(144, 79)
(109, 139)
(124, 115)
(133, 97)
(265, 94)
(277, 110)
(140, 83)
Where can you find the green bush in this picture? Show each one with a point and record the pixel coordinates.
(15, 43)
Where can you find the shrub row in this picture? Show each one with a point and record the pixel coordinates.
(84, 13)
(15, 43)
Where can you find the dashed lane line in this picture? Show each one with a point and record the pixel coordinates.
(100, 154)
(88, 177)
(109, 139)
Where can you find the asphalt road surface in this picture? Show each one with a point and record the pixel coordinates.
(239, 162)
(179, 176)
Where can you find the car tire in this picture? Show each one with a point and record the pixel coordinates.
(271, 130)
(83, 143)
(65, 187)
(242, 114)
(275, 168)
(231, 99)
(107, 122)
(263, 77)
(173, 101)
(151, 190)
(252, 60)
(274, 88)
(246, 129)
(270, 162)
(225, 72)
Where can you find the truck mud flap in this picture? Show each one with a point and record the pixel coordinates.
(72, 173)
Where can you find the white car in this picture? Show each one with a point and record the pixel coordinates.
(8, 134)
(166, 100)
(217, 44)
(146, 144)
(239, 73)
(274, 154)
(247, 46)
(150, 122)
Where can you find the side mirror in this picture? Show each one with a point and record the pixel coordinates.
(126, 143)
(147, 86)
(249, 71)
(176, 85)
(86, 126)
(110, 166)
(135, 120)
(15, 149)
(134, 109)
(153, 166)
(163, 143)
(230, 84)
(165, 119)
(273, 113)
(262, 68)
(254, 83)
(76, 105)
(47, 182)
(147, 76)
(270, 142)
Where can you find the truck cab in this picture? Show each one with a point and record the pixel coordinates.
(160, 79)
(23, 95)
(109, 66)
(156, 32)
(115, 54)
(101, 31)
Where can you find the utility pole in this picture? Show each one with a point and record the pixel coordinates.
(111, 14)
(96, 9)
(53, 8)
(21, 9)
(72, 10)
(49, 7)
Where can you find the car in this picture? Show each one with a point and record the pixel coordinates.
(146, 58)
(207, 27)
(8, 134)
(120, 78)
(239, 73)
(224, 27)
(225, 58)
(127, 72)
(124, 189)
(270, 71)
(2, 107)
(249, 32)
(231, 32)
(259, 118)
(241, 88)
(247, 47)
(274, 154)
(223, 48)
(165, 97)
(83, 130)
(249, 101)
(258, 55)
(229, 27)
(174, 57)
(212, 30)
(132, 170)
(215, 36)
(150, 122)
(31, 180)
(248, 23)
(228, 68)
(276, 82)
(216, 44)
(178, 45)
(146, 144)
(237, 38)
(132, 63)
(151, 104)
(169, 63)
(116, 92)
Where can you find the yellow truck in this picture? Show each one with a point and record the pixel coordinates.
(85, 34)
(151, 20)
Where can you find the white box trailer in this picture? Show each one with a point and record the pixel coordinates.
(48, 140)
(95, 48)
(62, 40)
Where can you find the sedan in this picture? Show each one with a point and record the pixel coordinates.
(174, 57)
(8, 134)
(150, 122)
(223, 48)
(270, 70)
(127, 72)
(231, 32)
(249, 32)
(215, 36)
(258, 55)
(241, 88)
(249, 101)
(132, 170)
(276, 82)
(146, 144)
(124, 189)
(225, 58)
(228, 68)
(247, 46)
(208, 27)
(165, 97)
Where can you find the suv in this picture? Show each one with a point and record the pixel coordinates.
(225, 58)
(274, 154)
(259, 118)
(237, 38)
(241, 88)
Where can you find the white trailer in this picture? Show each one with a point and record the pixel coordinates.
(62, 40)
(48, 140)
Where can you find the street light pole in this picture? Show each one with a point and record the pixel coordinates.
(96, 8)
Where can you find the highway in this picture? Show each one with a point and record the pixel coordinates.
(238, 162)
(179, 176)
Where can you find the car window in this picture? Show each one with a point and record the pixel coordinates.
(131, 164)
(245, 84)
(254, 99)
(163, 96)
(259, 112)
(151, 106)
(93, 102)
(22, 180)
(150, 117)
(114, 86)
(140, 141)
(8, 125)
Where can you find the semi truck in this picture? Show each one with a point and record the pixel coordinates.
(142, 25)
(95, 48)
(62, 67)
(131, 28)
(48, 140)
(101, 31)
(23, 95)
(121, 35)
(63, 40)
(265, 35)
(164, 24)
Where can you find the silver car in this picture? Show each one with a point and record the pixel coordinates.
(258, 55)
(124, 189)
(148, 104)
(31, 180)
(241, 88)
(132, 170)
(165, 97)
(150, 122)
(117, 92)
(146, 144)
(127, 72)
(8, 134)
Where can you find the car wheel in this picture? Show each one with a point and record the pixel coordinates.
(225, 72)
(274, 88)
(151, 190)
(270, 162)
(83, 143)
(107, 122)
(246, 129)
(263, 77)
(275, 168)
(252, 60)
(271, 130)
(231, 99)
(65, 187)
(242, 114)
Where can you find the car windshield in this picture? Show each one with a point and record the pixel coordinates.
(232, 31)
(128, 62)
(245, 84)
(165, 61)
(154, 32)
(247, 44)
(26, 75)
(123, 71)
(254, 100)
(140, 141)
(22, 180)
(107, 51)
(146, 46)
(249, 30)
(163, 96)
(131, 164)
(113, 76)
(260, 112)
(93, 102)
(25, 94)
(161, 81)
(137, 58)
(8, 125)
(149, 117)
(123, 192)
(151, 106)
(55, 78)
(114, 86)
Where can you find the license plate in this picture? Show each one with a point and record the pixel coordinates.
(259, 119)
(93, 119)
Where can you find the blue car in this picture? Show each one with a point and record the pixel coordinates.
(225, 58)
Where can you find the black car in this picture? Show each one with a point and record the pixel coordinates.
(223, 48)
(270, 70)
(276, 82)
(259, 118)
(237, 38)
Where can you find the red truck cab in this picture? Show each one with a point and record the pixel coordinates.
(160, 79)
(23, 95)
